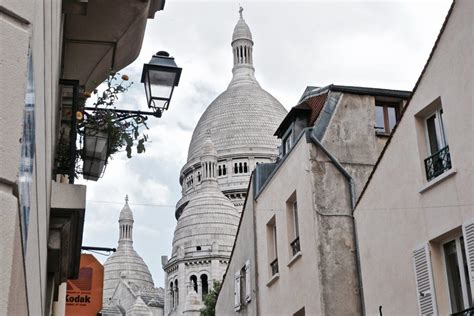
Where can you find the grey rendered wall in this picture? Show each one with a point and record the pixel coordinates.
(351, 138)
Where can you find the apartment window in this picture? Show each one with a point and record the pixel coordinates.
(295, 243)
(386, 117)
(272, 246)
(242, 288)
(457, 275)
(439, 159)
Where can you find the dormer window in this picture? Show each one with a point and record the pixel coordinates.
(386, 117)
(287, 141)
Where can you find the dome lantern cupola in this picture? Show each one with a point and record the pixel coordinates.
(242, 49)
(126, 224)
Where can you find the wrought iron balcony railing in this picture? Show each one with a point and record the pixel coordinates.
(437, 163)
(295, 245)
(274, 266)
(466, 312)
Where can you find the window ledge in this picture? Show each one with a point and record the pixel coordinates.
(383, 134)
(295, 257)
(273, 279)
(437, 180)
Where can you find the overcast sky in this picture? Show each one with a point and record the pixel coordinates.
(382, 44)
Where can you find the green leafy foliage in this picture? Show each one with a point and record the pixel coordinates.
(210, 300)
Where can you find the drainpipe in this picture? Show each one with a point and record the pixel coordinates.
(350, 181)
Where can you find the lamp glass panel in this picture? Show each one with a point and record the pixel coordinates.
(161, 83)
(96, 145)
(92, 169)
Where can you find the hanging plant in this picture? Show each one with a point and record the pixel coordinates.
(123, 131)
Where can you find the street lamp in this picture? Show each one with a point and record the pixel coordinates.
(160, 76)
(95, 154)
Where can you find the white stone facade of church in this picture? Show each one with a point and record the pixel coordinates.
(234, 134)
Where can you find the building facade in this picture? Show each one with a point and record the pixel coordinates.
(232, 136)
(415, 216)
(45, 44)
(128, 285)
(295, 252)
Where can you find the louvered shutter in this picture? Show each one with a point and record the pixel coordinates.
(248, 288)
(237, 291)
(424, 281)
(468, 233)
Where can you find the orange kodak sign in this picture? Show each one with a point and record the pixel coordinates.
(84, 295)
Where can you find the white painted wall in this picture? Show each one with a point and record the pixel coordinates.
(393, 217)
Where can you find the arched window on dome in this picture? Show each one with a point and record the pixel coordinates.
(171, 295)
(236, 168)
(219, 171)
(176, 292)
(193, 282)
(199, 176)
(224, 171)
(204, 285)
(240, 167)
(245, 168)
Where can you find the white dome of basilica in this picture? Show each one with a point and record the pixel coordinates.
(241, 122)
(242, 118)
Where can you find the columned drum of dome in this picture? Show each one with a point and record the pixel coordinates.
(233, 134)
(241, 122)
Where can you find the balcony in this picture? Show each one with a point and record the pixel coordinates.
(437, 163)
(295, 246)
(466, 312)
(274, 266)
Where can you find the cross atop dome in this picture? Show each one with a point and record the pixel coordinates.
(240, 11)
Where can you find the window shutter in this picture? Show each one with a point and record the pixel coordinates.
(468, 233)
(248, 288)
(237, 291)
(424, 281)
